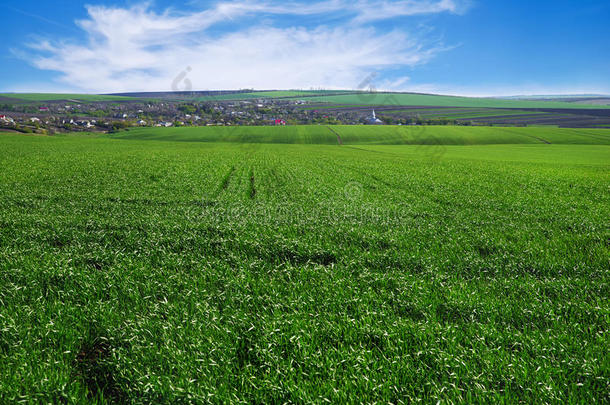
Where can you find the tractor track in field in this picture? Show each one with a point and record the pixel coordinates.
(530, 136)
(336, 133)
(371, 151)
(540, 139)
(252, 187)
(364, 173)
(587, 135)
(224, 184)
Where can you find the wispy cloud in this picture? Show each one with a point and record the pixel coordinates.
(139, 49)
(379, 10)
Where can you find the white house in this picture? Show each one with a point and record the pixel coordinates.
(85, 123)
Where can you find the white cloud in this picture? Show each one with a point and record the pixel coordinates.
(379, 10)
(137, 49)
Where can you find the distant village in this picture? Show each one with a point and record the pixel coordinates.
(62, 117)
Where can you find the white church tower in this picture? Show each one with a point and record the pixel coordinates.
(373, 120)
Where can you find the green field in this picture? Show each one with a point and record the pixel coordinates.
(466, 113)
(267, 94)
(404, 99)
(410, 99)
(358, 135)
(272, 265)
(37, 97)
(339, 97)
(328, 96)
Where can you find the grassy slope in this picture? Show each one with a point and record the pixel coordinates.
(373, 135)
(450, 135)
(33, 97)
(297, 93)
(476, 114)
(266, 94)
(330, 97)
(167, 272)
(288, 134)
(442, 101)
(409, 99)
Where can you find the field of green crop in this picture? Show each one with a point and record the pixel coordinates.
(410, 99)
(359, 135)
(268, 94)
(339, 97)
(273, 265)
(466, 113)
(351, 98)
(299, 93)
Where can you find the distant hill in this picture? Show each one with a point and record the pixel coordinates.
(38, 97)
(364, 98)
(555, 96)
(338, 97)
(587, 99)
(432, 100)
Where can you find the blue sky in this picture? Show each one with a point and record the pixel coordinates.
(466, 47)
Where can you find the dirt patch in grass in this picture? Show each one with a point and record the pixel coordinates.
(94, 367)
